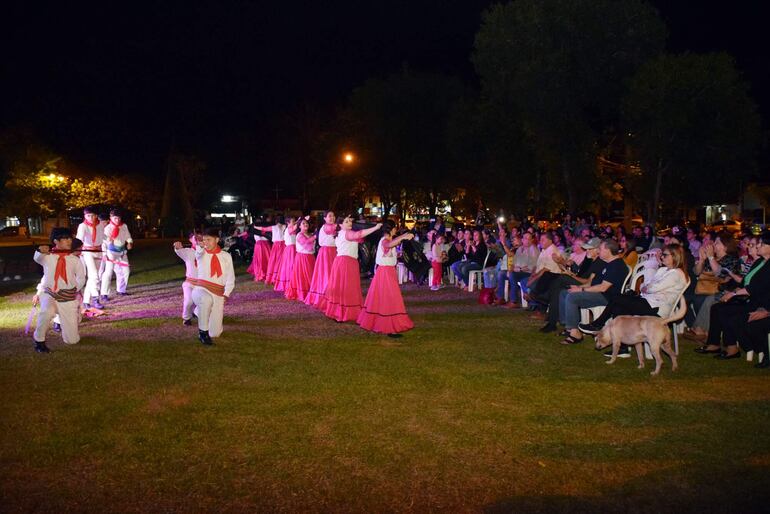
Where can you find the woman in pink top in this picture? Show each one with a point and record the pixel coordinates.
(276, 252)
(384, 310)
(304, 263)
(323, 264)
(342, 300)
(283, 273)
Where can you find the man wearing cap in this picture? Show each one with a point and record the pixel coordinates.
(90, 234)
(117, 240)
(590, 267)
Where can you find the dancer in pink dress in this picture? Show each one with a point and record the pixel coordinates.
(276, 252)
(323, 263)
(384, 310)
(258, 266)
(304, 263)
(342, 300)
(287, 260)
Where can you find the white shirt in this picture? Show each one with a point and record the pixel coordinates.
(289, 238)
(345, 247)
(86, 234)
(123, 237)
(385, 256)
(544, 260)
(278, 232)
(227, 278)
(76, 273)
(188, 256)
(663, 289)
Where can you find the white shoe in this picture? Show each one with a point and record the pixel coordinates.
(434, 288)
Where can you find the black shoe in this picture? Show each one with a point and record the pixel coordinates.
(41, 347)
(764, 363)
(704, 349)
(187, 322)
(395, 336)
(589, 328)
(723, 356)
(57, 327)
(104, 298)
(623, 353)
(548, 327)
(97, 305)
(564, 333)
(123, 294)
(205, 338)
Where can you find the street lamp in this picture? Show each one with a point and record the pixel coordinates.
(348, 157)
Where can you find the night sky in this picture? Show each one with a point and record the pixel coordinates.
(111, 88)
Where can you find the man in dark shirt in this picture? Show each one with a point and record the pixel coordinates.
(609, 280)
(557, 290)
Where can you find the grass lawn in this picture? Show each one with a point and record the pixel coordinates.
(472, 410)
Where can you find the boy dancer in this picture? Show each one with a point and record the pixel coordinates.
(215, 281)
(118, 241)
(89, 232)
(191, 275)
(63, 277)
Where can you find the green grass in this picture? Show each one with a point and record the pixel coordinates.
(473, 410)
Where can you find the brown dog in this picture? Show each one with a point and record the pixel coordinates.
(637, 330)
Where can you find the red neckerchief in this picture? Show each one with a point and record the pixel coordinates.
(115, 229)
(93, 231)
(216, 267)
(61, 268)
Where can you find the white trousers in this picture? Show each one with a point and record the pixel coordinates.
(211, 310)
(122, 271)
(91, 262)
(187, 302)
(69, 314)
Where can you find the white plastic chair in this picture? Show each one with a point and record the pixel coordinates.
(478, 274)
(677, 313)
(402, 273)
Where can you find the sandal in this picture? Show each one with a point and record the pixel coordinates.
(570, 340)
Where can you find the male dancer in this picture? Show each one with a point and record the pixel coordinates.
(215, 281)
(118, 241)
(63, 277)
(92, 238)
(191, 275)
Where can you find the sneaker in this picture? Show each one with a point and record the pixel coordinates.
(104, 298)
(623, 353)
(123, 293)
(56, 327)
(97, 305)
(86, 305)
(187, 322)
(205, 338)
(434, 288)
(41, 347)
(589, 328)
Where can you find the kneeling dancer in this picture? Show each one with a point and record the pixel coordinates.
(213, 285)
(63, 277)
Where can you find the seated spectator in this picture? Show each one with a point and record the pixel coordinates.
(609, 280)
(657, 297)
(628, 249)
(693, 241)
(475, 255)
(647, 237)
(524, 264)
(732, 316)
(590, 267)
(547, 267)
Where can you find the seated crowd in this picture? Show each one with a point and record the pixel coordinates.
(559, 273)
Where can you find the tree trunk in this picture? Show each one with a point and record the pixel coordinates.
(656, 195)
(571, 197)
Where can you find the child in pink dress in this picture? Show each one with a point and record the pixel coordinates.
(276, 252)
(289, 252)
(323, 263)
(342, 300)
(304, 263)
(384, 310)
(258, 266)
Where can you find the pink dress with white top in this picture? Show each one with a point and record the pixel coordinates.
(384, 310)
(302, 272)
(323, 264)
(287, 260)
(342, 300)
(259, 260)
(276, 254)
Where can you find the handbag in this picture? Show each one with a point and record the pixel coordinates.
(707, 284)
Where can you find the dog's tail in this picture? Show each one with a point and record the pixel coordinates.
(678, 312)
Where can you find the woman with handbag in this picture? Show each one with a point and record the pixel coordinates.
(731, 314)
(715, 263)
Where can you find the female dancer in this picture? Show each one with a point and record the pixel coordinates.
(276, 252)
(287, 259)
(304, 263)
(384, 310)
(342, 299)
(323, 264)
(261, 257)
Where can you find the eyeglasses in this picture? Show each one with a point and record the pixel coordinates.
(665, 254)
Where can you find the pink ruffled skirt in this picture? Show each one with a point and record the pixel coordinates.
(342, 299)
(384, 310)
(274, 262)
(300, 277)
(321, 273)
(258, 266)
(287, 264)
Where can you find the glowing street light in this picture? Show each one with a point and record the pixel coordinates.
(348, 157)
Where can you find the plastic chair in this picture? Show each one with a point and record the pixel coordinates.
(478, 274)
(402, 273)
(677, 314)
